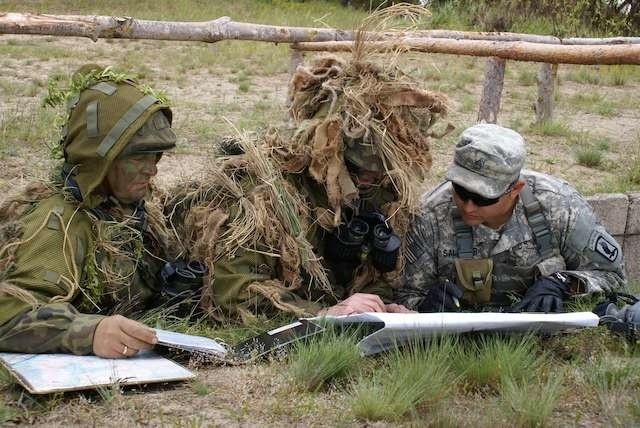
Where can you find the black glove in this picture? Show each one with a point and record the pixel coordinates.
(545, 295)
(443, 297)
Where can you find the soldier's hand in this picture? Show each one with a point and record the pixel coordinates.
(443, 297)
(397, 308)
(120, 337)
(545, 295)
(356, 304)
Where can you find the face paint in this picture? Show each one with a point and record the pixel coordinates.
(128, 178)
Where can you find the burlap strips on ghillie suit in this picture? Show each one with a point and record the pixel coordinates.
(247, 201)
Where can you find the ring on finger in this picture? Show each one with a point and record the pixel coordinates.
(125, 349)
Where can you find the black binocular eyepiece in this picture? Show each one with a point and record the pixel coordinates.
(355, 232)
(366, 236)
(179, 278)
(381, 235)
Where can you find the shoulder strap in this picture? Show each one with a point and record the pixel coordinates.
(464, 236)
(538, 222)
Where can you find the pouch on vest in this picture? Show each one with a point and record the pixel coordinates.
(475, 276)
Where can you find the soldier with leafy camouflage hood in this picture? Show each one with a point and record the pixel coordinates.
(85, 246)
(495, 235)
(312, 218)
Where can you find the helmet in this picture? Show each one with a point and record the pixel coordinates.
(110, 116)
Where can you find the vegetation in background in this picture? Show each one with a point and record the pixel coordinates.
(557, 17)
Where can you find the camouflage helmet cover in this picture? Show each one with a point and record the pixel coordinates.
(104, 119)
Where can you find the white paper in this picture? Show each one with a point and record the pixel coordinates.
(400, 328)
(46, 373)
(190, 343)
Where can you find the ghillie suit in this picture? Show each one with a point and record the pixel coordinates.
(71, 253)
(271, 216)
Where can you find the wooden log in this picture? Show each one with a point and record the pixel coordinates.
(507, 37)
(223, 28)
(518, 51)
(546, 82)
(96, 27)
(491, 90)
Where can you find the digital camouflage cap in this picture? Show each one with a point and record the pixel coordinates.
(487, 159)
(108, 118)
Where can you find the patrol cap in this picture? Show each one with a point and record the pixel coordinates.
(154, 136)
(487, 159)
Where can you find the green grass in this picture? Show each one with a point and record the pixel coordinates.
(486, 361)
(589, 156)
(325, 358)
(416, 375)
(551, 129)
(531, 403)
(593, 102)
(527, 77)
(585, 75)
(29, 125)
(615, 383)
(200, 388)
(607, 75)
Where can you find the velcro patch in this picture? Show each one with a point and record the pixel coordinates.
(54, 220)
(607, 249)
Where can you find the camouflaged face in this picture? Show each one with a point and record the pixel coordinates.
(487, 159)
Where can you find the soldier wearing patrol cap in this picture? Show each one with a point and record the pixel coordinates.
(496, 236)
(84, 247)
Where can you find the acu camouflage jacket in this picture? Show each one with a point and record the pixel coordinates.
(582, 248)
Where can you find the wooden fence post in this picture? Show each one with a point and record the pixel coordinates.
(296, 58)
(491, 90)
(546, 82)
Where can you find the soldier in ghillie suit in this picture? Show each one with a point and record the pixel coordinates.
(497, 237)
(83, 247)
(312, 219)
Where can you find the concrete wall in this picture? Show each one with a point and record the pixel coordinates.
(620, 215)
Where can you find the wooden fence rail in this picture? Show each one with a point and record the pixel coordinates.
(497, 46)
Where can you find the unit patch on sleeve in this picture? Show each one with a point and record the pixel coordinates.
(607, 249)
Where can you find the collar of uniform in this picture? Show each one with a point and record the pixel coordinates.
(515, 231)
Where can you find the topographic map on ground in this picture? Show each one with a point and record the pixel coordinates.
(46, 373)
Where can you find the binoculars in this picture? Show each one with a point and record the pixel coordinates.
(366, 236)
(181, 283)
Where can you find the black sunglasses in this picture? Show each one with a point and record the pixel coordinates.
(479, 200)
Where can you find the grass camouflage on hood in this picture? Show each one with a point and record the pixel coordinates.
(248, 201)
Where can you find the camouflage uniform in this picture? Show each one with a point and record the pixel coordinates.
(579, 245)
(232, 289)
(352, 120)
(81, 254)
